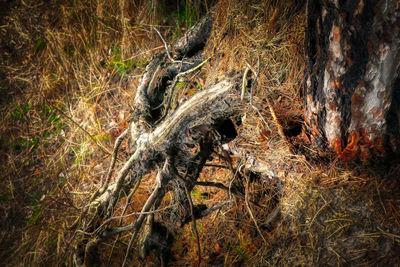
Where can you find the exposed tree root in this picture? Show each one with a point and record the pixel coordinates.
(179, 145)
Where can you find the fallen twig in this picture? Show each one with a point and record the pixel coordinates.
(244, 83)
(278, 125)
(165, 45)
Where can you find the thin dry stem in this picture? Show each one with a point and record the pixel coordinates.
(251, 213)
(194, 226)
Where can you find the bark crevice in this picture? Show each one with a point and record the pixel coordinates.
(353, 50)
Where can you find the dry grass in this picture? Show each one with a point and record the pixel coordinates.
(68, 75)
(67, 66)
(272, 31)
(338, 218)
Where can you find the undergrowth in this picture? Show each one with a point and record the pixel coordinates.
(68, 74)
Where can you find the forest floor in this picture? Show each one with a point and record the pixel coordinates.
(68, 75)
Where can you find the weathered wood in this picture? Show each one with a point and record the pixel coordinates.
(194, 39)
(178, 145)
(352, 88)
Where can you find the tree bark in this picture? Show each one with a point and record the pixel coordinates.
(352, 77)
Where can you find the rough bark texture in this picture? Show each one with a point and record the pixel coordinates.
(178, 141)
(352, 88)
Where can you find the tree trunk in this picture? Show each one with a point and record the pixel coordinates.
(353, 83)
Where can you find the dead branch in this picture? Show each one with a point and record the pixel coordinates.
(118, 142)
(165, 45)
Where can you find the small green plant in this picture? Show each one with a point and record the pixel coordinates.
(122, 66)
(197, 194)
(80, 152)
(191, 92)
(20, 112)
(35, 216)
(101, 137)
(54, 118)
(40, 45)
(30, 142)
(47, 110)
(62, 179)
(36, 211)
(181, 84)
(240, 252)
(199, 85)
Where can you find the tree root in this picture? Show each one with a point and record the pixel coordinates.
(181, 140)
